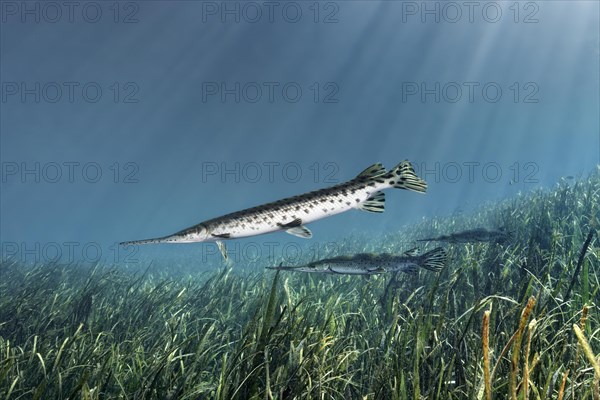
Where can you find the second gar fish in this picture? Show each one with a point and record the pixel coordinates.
(292, 214)
(372, 264)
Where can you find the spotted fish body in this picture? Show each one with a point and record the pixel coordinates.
(291, 214)
(478, 235)
(371, 264)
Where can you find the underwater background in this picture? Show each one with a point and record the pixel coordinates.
(130, 120)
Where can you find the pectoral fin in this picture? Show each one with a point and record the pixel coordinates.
(222, 249)
(294, 223)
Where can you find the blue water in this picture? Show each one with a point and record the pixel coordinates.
(130, 120)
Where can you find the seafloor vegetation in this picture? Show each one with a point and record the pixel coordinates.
(518, 321)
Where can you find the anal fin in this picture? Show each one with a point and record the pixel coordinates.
(411, 270)
(375, 203)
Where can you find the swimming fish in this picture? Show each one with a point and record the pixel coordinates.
(293, 213)
(371, 264)
(477, 235)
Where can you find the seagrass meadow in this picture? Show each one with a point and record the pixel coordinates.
(502, 321)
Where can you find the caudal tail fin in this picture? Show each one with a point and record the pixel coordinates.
(434, 260)
(403, 176)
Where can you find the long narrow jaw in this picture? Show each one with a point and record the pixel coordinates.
(282, 267)
(192, 235)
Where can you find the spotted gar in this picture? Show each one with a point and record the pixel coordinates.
(371, 264)
(364, 192)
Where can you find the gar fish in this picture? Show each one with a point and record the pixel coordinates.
(477, 235)
(291, 214)
(371, 264)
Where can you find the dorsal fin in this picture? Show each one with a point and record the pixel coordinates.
(373, 170)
